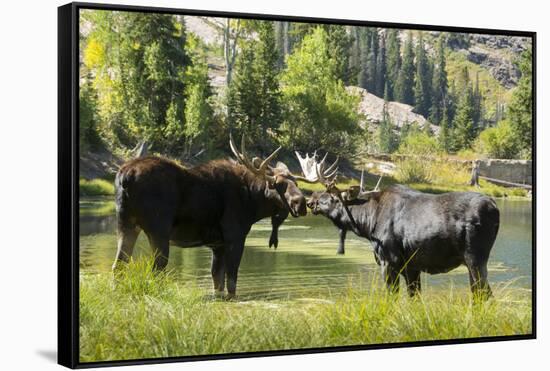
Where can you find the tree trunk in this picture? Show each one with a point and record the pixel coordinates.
(474, 180)
(141, 149)
(286, 40)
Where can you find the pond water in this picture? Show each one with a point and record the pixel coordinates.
(306, 264)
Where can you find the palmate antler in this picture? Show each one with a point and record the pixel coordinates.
(261, 169)
(327, 177)
(315, 172)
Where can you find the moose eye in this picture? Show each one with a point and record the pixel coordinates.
(325, 200)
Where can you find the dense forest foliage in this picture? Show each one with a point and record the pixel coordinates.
(145, 77)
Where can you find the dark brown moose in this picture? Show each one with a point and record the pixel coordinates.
(414, 232)
(213, 204)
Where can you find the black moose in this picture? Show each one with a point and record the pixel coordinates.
(415, 232)
(213, 204)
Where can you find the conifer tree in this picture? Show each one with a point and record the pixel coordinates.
(464, 130)
(280, 42)
(371, 66)
(140, 74)
(339, 44)
(404, 91)
(451, 101)
(254, 96)
(354, 56)
(364, 46)
(444, 132)
(242, 110)
(368, 60)
(520, 110)
(266, 75)
(478, 104)
(393, 61)
(380, 77)
(439, 83)
(386, 138)
(423, 79)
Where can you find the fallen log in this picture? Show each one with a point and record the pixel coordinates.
(505, 183)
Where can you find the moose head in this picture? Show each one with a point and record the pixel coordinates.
(281, 183)
(333, 198)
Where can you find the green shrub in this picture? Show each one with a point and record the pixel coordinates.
(499, 141)
(96, 187)
(414, 170)
(468, 154)
(518, 192)
(421, 144)
(319, 111)
(422, 151)
(497, 193)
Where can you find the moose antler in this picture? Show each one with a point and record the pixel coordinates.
(315, 172)
(261, 169)
(353, 192)
(361, 185)
(326, 176)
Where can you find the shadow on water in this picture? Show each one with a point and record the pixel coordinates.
(305, 264)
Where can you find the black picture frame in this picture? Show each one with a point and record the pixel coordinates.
(68, 191)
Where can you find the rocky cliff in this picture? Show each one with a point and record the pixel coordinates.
(497, 54)
(372, 107)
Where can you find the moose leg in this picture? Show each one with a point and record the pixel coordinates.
(341, 250)
(390, 276)
(413, 282)
(160, 245)
(233, 254)
(218, 270)
(158, 228)
(276, 222)
(127, 237)
(478, 279)
(478, 248)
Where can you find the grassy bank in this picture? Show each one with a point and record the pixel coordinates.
(142, 315)
(96, 187)
(486, 187)
(439, 177)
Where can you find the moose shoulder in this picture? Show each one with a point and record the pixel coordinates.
(414, 232)
(213, 204)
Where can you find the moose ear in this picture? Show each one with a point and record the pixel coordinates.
(351, 193)
(281, 166)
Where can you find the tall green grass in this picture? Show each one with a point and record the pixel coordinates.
(144, 315)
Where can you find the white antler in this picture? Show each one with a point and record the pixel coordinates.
(315, 172)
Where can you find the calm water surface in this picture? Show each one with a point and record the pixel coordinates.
(306, 264)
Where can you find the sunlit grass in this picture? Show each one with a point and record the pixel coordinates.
(446, 176)
(443, 177)
(96, 187)
(144, 315)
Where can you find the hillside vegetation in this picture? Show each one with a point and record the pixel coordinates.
(177, 84)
